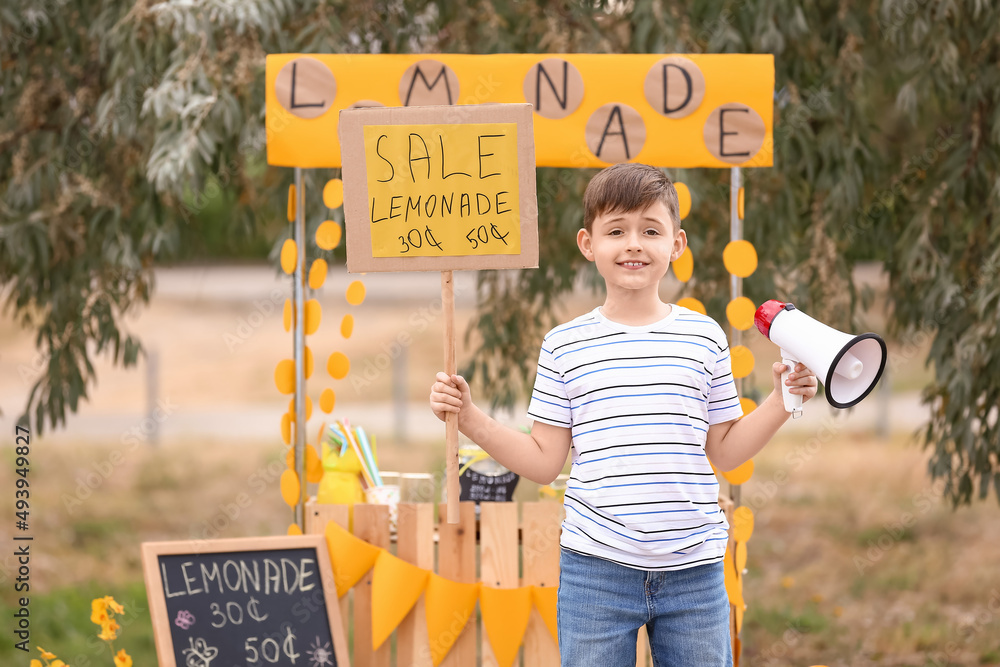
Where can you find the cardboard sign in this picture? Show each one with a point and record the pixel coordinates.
(247, 601)
(439, 188)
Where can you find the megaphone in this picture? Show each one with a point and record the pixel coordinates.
(849, 366)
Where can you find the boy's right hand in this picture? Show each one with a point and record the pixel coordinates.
(449, 394)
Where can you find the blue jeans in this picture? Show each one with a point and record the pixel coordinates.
(602, 605)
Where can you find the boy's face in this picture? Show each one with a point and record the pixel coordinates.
(633, 250)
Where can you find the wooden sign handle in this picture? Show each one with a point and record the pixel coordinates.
(451, 419)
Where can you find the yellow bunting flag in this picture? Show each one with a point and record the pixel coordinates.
(741, 474)
(294, 529)
(748, 405)
(291, 203)
(347, 326)
(448, 605)
(396, 586)
(287, 315)
(505, 616)
(740, 312)
(350, 556)
(544, 598)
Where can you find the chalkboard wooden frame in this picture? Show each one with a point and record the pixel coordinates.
(162, 631)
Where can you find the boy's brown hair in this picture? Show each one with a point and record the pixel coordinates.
(627, 187)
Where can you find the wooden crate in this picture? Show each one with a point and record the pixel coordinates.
(511, 545)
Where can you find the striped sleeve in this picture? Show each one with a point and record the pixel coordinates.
(723, 402)
(549, 401)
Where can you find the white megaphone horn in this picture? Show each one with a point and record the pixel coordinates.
(849, 366)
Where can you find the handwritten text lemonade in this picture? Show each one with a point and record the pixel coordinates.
(437, 190)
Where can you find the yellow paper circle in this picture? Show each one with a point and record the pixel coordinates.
(317, 273)
(284, 376)
(314, 313)
(286, 428)
(740, 312)
(356, 293)
(327, 400)
(290, 487)
(684, 266)
(314, 466)
(741, 556)
(741, 474)
(308, 365)
(739, 204)
(287, 315)
(293, 529)
(683, 199)
(692, 304)
(740, 609)
(742, 524)
(328, 235)
(338, 365)
(291, 203)
(740, 258)
(748, 405)
(289, 256)
(742, 359)
(347, 326)
(309, 408)
(733, 582)
(333, 193)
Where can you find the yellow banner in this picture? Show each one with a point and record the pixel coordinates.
(443, 190)
(590, 110)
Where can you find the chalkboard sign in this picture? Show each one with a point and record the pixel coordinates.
(488, 488)
(248, 602)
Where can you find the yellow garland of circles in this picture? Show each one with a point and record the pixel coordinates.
(328, 236)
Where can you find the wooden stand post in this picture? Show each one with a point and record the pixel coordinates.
(451, 419)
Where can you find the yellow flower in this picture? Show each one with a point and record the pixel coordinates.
(99, 610)
(118, 609)
(48, 655)
(123, 659)
(109, 630)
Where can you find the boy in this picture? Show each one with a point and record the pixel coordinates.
(642, 391)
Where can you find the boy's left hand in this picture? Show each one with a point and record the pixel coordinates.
(800, 381)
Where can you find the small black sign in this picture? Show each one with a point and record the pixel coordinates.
(240, 607)
(487, 488)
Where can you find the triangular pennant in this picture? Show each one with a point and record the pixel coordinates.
(396, 586)
(505, 617)
(448, 605)
(350, 556)
(544, 598)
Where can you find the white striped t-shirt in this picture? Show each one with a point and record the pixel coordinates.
(639, 401)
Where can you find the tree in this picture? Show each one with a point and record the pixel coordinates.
(128, 119)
